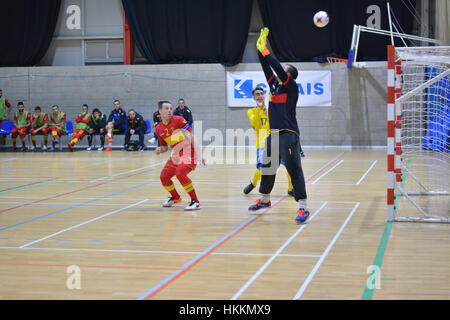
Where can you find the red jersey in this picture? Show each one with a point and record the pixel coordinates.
(63, 118)
(44, 121)
(172, 134)
(28, 117)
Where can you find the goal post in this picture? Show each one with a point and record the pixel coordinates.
(418, 122)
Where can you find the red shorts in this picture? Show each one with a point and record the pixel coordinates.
(184, 158)
(44, 131)
(79, 134)
(58, 132)
(175, 164)
(22, 132)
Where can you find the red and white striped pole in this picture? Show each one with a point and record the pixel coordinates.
(398, 123)
(390, 131)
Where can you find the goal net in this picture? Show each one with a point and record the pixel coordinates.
(418, 134)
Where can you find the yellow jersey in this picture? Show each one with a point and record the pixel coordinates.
(260, 122)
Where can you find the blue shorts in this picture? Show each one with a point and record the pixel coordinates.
(260, 156)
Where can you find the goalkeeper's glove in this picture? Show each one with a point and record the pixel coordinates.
(261, 44)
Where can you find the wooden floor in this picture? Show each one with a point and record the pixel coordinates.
(102, 212)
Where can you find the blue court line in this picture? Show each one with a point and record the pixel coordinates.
(237, 229)
(200, 255)
(78, 205)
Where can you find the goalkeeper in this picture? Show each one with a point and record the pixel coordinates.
(259, 119)
(283, 142)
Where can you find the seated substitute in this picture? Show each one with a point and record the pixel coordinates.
(22, 122)
(117, 123)
(135, 125)
(156, 121)
(82, 126)
(5, 107)
(39, 123)
(184, 111)
(58, 121)
(97, 125)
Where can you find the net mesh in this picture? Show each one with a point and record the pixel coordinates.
(425, 162)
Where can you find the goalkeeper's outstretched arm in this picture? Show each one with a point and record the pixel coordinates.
(268, 61)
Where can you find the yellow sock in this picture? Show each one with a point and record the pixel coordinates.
(256, 178)
(291, 187)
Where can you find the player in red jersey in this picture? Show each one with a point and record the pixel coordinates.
(39, 122)
(174, 132)
(22, 122)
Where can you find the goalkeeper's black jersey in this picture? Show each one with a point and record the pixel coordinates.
(283, 96)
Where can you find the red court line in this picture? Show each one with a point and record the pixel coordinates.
(229, 237)
(73, 191)
(26, 185)
(84, 266)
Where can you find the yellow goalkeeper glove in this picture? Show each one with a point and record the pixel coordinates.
(261, 44)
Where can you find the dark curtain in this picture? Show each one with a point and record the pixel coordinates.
(294, 37)
(26, 30)
(183, 31)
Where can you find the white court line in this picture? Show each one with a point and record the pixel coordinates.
(365, 174)
(164, 199)
(277, 253)
(164, 252)
(83, 223)
(324, 255)
(9, 159)
(327, 172)
(150, 206)
(102, 162)
(129, 171)
(337, 184)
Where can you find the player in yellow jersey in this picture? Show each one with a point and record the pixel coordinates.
(259, 119)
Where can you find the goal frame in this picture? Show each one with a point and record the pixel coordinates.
(395, 169)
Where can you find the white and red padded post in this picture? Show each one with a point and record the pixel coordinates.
(398, 123)
(390, 131)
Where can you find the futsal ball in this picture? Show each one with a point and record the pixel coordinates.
(321, 19)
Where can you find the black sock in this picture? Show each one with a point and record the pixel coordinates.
(102, 139)
(90, 139)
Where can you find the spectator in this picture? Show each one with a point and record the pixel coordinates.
(39, 123)
(22, 122)
(156, 121)
(135, 125)
(58, 121)
(184, 112)
(97, 125)
(82, 126)
(116, 123)
(5, 107)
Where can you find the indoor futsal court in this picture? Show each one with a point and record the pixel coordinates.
(247, 152)
(111, 224)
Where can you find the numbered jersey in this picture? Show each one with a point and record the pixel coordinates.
(260, 122)
(171, 134)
